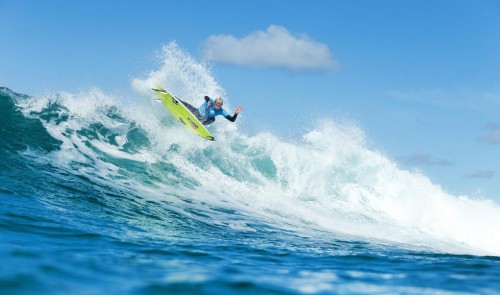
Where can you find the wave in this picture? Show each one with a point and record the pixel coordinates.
(329, 183)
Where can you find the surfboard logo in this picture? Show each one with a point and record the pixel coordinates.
(193, 124)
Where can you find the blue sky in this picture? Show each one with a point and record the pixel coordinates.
(421, 78)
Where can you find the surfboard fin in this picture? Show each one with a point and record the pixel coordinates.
(159, 90)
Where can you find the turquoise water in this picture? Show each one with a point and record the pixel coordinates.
(110, 195)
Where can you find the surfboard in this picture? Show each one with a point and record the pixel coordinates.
(181, 113)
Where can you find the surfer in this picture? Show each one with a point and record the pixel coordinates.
(207, 112)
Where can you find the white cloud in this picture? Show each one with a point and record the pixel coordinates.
(276, 47)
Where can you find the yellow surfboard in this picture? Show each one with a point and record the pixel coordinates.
(181, 113)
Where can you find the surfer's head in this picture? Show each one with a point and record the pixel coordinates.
(218, 103)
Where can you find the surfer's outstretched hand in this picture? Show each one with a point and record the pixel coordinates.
(238, 110)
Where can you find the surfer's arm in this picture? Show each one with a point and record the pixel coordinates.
(208, 101)
(236, 112)
(232, 118)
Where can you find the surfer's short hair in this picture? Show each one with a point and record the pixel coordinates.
(219, 101)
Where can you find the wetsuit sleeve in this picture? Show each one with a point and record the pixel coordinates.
(231, 118)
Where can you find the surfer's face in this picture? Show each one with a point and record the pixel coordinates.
(218, 103)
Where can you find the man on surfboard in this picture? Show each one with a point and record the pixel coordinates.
(207, 112)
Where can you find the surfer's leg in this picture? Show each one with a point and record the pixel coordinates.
(188, 106)
(193, 110)
(208, 121)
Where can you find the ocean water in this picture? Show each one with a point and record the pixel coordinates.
(109, 195)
